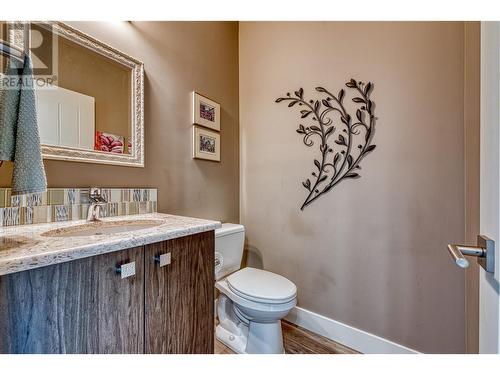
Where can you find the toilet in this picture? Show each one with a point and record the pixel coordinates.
(252, 302)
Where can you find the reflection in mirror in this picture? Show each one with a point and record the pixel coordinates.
(91, 107)
(91, 100)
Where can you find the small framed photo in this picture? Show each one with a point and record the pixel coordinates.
(206, 144)
(206, 112)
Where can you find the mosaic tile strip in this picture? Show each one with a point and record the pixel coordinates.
(71, 204)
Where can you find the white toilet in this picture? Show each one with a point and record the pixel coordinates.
(252, 301)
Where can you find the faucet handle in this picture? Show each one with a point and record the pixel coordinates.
(95, 192)
(97, 195)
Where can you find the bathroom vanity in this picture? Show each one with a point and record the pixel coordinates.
(124, 284)
(133, 284)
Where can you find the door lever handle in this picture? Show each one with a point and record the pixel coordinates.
(457, 252)
(484, 251)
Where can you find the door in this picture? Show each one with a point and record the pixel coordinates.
(489, 300)
(180, 295)
(82, 306)
(482, 177)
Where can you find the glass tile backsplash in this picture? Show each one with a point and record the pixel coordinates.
(63, 204)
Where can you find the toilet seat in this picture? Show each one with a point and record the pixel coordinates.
(239, 299)
(261, 286)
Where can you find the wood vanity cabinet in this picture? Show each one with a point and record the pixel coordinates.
(82, 306)
(179, 297)
(85, 306)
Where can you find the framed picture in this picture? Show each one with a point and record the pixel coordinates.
(206, 144)
(206, 112)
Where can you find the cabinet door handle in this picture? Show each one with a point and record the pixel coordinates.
(126, 270)
(163, 259)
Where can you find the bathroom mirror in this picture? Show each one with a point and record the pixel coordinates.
(90, 96)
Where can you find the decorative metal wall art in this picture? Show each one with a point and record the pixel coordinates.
(329, 118)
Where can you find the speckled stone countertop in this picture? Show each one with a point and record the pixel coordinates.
(24, 247)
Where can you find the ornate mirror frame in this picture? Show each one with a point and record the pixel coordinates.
(136, 158)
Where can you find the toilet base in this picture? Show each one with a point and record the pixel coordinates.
(265, 338)
(237, 343)
(249, 327)
(260, 338)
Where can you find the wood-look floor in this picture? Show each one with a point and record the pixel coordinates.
(298, 340)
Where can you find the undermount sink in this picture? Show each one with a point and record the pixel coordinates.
(13, 242)
(103, 227)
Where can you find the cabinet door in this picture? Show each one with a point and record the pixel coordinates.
(82, 306)
(179, 306)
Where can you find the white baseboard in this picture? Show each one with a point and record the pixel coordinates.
(344, 334)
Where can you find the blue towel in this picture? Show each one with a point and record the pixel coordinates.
(19, 136)
(9, 108)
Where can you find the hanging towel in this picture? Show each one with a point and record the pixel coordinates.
(9, 106)
(19, 136)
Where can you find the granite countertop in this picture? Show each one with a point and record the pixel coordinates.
(24, 247)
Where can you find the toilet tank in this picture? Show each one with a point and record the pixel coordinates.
(229, 240)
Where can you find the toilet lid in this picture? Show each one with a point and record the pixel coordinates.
(261, 286)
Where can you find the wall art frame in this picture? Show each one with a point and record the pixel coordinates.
(206, 112)
(206, 144)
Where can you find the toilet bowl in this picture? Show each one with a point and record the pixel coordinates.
(252, 302)
(250, 308)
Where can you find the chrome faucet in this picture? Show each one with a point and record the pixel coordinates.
(96, 203)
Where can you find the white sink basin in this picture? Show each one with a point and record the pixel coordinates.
(98, 228)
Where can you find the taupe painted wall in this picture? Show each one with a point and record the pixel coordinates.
(178, 57)
(372, 252)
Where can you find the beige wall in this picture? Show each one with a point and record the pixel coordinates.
(372, 252)
(178, 57)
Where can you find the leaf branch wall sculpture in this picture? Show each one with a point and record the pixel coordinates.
(329, 120)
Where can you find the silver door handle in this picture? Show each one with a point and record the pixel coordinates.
(457, 253)
(484, 251)
(163, 259)
(126, 270)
